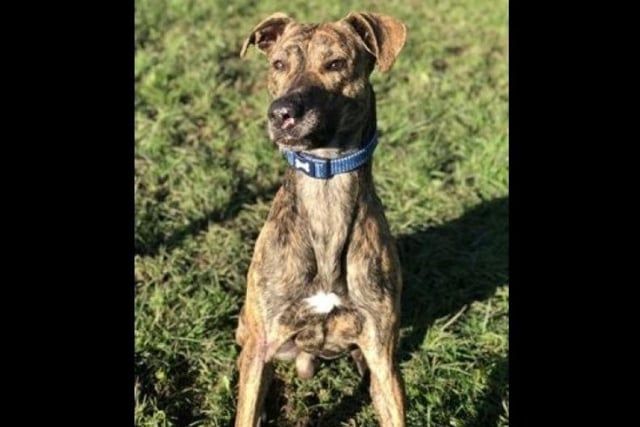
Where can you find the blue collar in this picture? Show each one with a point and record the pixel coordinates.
(317, 167)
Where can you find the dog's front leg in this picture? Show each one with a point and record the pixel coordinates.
(255, 376)
(386, 387)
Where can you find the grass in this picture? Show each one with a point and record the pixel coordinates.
(205, 175)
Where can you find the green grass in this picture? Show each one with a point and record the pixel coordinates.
(206, 173)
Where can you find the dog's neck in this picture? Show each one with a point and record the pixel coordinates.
(328, 208)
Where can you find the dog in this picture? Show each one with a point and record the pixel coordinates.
(325, 278)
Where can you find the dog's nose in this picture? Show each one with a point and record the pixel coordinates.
(284, 113)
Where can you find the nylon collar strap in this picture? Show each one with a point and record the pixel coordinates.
(317, 167)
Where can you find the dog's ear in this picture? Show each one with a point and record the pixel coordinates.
(383, 36)
(265, 34)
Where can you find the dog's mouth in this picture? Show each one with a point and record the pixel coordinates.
(298, 133)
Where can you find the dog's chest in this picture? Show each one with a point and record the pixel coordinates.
(328, 203)
(328, 207)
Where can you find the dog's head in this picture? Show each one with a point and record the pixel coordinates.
(319, 76)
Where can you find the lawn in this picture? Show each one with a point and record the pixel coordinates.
(205, 174)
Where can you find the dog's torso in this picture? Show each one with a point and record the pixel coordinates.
(324, 264)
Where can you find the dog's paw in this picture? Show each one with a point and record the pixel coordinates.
(305, 365)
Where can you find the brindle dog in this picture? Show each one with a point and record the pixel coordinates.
(325, 277)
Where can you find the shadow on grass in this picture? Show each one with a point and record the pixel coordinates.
(348, 406)
(170, 383)
(489, 407)
(276, 405)
(243, 194)
(452, 265)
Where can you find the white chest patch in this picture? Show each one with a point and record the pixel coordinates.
(323, 302)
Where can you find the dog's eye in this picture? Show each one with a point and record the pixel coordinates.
(278, 65)
(336, 65)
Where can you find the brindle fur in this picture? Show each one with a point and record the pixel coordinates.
(324, 235)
